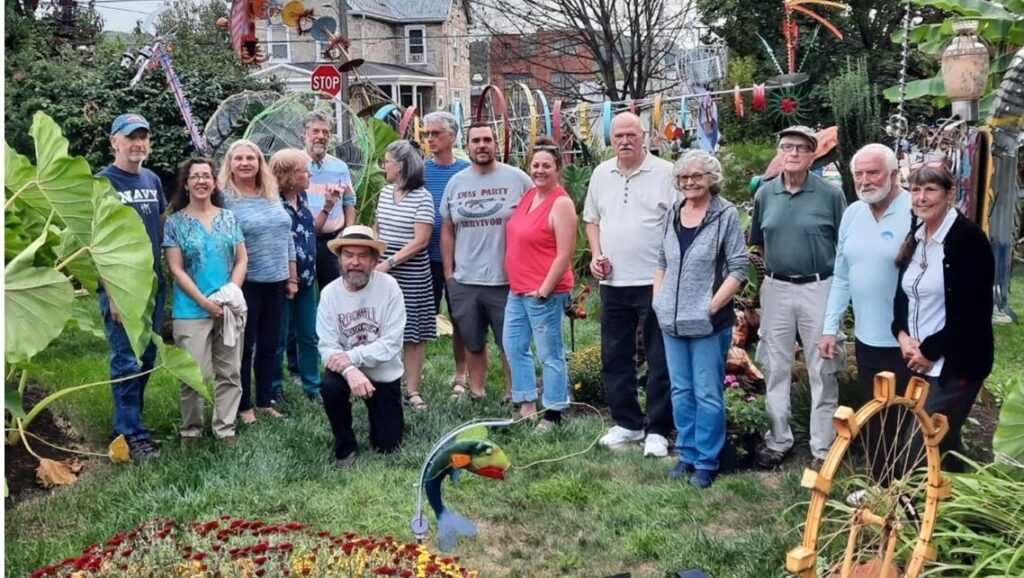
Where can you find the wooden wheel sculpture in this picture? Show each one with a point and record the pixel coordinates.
(524, 118)
(492, 108)
(874, 502)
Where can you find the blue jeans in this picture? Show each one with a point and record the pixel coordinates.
(527, 318)
(696, 369)
(128, 394)
(299, 325)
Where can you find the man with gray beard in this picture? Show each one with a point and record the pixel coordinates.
(870, 235)
(360, 322)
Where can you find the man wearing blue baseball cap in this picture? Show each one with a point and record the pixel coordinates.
(142, 190)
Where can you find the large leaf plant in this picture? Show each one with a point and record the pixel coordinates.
(64, 230)
(999, 23)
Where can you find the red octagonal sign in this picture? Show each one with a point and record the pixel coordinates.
(327, 80)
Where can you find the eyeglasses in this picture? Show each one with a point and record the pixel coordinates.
(789, 147)
(384, 163)
(197, 178)
(434, 133)
(693, 177)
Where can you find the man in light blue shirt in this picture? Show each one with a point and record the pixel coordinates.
(870, 235)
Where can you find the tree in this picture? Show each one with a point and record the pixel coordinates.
(631, 41)
(83, 90)
(867, 27)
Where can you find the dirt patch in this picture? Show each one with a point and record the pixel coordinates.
(977, 434)
(19, 465)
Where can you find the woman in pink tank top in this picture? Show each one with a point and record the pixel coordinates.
(541, 238)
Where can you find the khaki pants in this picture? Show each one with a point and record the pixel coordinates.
(788, 309)
(204, 340)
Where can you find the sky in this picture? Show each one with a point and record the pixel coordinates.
(121, 15)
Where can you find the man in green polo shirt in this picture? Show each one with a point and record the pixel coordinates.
(795, 226)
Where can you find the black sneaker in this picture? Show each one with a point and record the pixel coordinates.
(767, 458)
(278, 398)
(316, 398)
(816, 464)
(143, 449)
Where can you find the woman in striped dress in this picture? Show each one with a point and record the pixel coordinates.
(405, 219)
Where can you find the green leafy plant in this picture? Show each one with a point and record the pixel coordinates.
(742, 160)
(576, 179)
(979, 530)
(251, 548)
(372, 180)
(1008, 442)
(856, 113)
(70, 229)
(745, 413)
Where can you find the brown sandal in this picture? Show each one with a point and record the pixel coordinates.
(459, 390)
(415, 400)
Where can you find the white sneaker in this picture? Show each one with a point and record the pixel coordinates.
(656, 446)
(618, 436)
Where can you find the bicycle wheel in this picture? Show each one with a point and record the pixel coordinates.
(874, 502)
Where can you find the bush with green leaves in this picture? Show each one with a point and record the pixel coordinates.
(740, 162)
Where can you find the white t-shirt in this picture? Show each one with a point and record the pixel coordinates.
(631, 213)
(367, 324)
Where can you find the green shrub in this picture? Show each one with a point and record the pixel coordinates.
(980, 529)
(585, 375)
(740, 162)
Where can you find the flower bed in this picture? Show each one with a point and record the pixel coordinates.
(235, 548)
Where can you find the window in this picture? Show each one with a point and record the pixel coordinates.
(277, 42)
(457, 97)
(456, 50)
(415, 45)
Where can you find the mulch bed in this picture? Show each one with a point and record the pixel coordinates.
(19, 465)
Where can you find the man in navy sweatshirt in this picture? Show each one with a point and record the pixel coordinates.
(140, 189)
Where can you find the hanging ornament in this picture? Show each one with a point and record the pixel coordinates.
(786, 106)
(760, 101)
(737, 98)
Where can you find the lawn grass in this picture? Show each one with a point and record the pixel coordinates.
(594, 515)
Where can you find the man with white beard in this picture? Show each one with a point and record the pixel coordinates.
(870, 235)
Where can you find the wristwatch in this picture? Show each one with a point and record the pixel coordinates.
(391, 262)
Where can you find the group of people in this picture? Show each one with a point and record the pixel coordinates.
(256, 250)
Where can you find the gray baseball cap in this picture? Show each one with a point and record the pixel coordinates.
(801, 130)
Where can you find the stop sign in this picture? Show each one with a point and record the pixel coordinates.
(326, 79)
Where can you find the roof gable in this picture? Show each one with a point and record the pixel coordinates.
(403, 10)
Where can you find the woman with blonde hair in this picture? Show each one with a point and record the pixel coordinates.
(250, 192)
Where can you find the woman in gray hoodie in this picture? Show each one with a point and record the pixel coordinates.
(702, 263)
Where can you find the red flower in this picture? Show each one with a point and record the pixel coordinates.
(261, 547)
(261, 572)
(217, 547)
(384, 571)
(127, 552)
(260, 560)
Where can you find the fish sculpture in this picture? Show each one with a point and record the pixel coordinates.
(470, 451)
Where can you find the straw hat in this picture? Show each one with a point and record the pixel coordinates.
(359, 236)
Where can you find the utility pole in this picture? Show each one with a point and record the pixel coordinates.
(343, 32)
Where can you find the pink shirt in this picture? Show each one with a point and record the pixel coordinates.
(531, 247)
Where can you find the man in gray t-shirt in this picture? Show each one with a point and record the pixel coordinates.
(477, 204)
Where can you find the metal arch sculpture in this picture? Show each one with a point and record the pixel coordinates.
(877, 522)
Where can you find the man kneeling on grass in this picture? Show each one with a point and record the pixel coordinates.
(360, 323)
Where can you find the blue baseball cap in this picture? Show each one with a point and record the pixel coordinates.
(128, 123)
